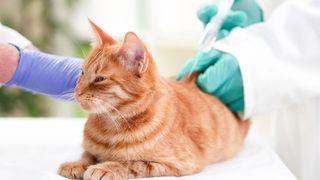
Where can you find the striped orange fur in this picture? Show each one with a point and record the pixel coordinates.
(141, 125)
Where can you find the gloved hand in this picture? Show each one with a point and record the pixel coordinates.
(244, 13)
(42, 73)
(220, 74)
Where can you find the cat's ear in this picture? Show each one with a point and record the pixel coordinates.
(133, 54)
(103, 38)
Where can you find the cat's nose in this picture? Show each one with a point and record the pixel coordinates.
(78, 93)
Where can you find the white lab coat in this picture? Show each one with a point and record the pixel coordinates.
(8, 35)
(280, 66)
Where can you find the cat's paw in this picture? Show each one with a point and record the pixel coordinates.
(72, 170)
(106, 171)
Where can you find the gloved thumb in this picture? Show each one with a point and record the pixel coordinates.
(199, 63)
(235, 19)
(206, 12)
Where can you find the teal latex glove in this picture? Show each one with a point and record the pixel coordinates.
(244, 13)
(220, 73)
(220, 76)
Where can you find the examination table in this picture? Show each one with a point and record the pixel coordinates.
(33, 149)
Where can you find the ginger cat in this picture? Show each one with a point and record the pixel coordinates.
(141, 125)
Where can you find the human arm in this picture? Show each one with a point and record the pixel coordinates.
(219, 71)
(9, 58)
(54, 76)
(38, 72)
(279, 59)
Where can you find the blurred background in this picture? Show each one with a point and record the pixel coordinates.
(170, 30)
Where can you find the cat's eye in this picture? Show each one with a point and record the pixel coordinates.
(99, 79)
(81, 72)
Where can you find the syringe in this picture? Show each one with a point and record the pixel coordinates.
(209, 36)
(211, 30)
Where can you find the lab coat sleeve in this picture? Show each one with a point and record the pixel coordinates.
(279, 58)
(8, 35)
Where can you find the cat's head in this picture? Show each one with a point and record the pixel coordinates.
(115, 73)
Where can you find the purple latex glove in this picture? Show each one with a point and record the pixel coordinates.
(42, 73)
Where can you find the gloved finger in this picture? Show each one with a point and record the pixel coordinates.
(235, 19)
(232, 89)
(251, 8)
(237, 105)
(206, 12)
(214, 79)
(222, 34)
(199, 63)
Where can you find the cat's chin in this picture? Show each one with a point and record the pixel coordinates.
(86, 106)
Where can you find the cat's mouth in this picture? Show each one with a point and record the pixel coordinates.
(86, 105)
(91, 106)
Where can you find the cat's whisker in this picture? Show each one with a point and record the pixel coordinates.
(121, 115)
(67, 96)
(100, 111)
(126, 121)
(114, 120)
(83, 52)
(116, 110)
(101, 105)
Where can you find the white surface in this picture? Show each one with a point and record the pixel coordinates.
(280, 67)
(8, 35)
(34, 148)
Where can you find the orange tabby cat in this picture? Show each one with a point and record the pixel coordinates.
(141, 125)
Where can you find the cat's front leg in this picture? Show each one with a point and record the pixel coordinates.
(109, 170)
(141, 169)
(76, 169)
(112, 170)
